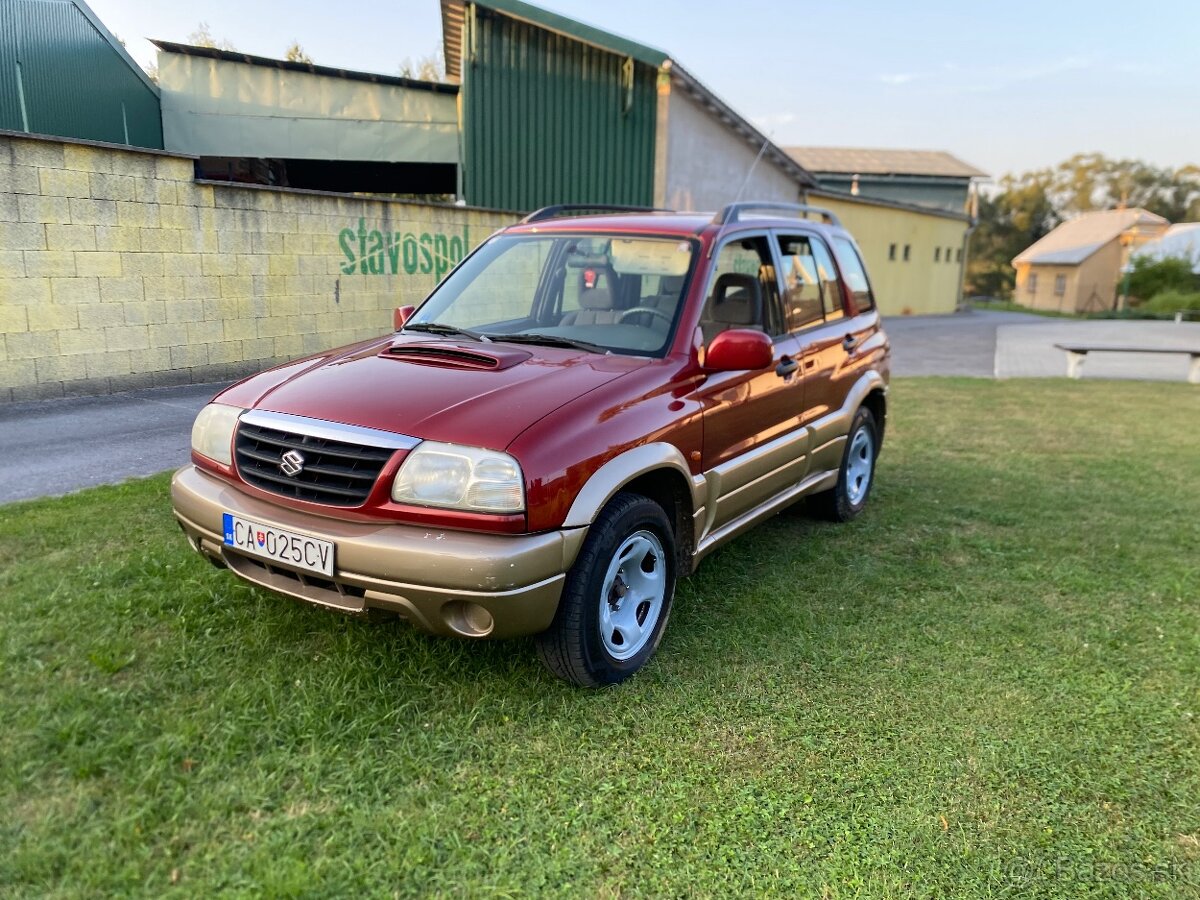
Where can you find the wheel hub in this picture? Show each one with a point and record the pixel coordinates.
(633, 595)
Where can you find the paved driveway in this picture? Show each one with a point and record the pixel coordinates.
(960, 344)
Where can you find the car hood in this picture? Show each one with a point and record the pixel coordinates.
(478, 394)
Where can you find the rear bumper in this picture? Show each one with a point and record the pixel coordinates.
(446, 582)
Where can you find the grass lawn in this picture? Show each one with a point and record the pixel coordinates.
(989, 685)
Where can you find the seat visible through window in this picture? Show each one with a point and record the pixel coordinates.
(736, 302)
(597, 298)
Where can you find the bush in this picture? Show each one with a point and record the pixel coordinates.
(1173, 301)
(1151, 277)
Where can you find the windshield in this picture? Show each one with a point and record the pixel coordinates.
(601, 293)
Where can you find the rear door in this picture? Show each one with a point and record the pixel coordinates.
(827, 341)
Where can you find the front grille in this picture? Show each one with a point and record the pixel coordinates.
(334, 473)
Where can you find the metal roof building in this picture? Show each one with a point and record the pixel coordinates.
(925, 177)
(62, 73)
(556, 111)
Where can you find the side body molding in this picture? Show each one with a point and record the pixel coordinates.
(620, 470)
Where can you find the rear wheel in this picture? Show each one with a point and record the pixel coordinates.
(847, 498)
(617, 596)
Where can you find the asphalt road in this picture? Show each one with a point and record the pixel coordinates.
(51, 447)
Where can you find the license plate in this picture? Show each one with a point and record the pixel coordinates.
(270, 542)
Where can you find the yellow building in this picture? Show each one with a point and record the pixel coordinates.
(1077, 267)
(915, 254)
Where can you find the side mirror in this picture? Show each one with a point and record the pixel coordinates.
(739, 350)
(401, 315)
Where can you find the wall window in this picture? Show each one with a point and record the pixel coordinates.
(948, 250)
(958, 255)
(855, 274)
(1060, 285)
(937, 254)
(891, 252)
(907, 250)
(1031, 283)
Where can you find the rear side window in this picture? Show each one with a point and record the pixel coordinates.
(831, 288)
(855, 274)
(801, 282)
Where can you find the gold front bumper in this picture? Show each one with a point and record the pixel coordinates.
(446, 582)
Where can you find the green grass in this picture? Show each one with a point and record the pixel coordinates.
(989, 685)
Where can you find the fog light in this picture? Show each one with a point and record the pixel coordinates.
(468, 619)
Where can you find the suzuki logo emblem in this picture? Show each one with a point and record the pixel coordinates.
(291, 463)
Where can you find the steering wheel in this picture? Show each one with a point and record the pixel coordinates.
(630, 313)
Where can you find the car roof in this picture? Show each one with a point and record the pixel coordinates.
(662, 222)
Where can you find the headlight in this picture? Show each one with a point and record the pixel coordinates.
(460, 478)
(212, 432)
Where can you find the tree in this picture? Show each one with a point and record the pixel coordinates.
(427, 68)
(202, 37)
(1151, 277)
(295, 53)
(1021, 213)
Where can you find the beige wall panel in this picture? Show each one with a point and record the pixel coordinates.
(212, 107)
(243, 278)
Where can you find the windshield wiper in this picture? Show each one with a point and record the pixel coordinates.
(548, 340)
(439, 328)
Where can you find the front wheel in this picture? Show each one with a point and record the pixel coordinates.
(617, 596)
(847, 498)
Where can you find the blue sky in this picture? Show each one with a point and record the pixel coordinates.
(1006, 86)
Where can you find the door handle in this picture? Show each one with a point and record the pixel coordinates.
(850, 343)
(786, 367)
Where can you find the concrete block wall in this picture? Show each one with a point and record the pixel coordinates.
(118, 270)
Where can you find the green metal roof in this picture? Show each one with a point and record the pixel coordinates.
(452, 23)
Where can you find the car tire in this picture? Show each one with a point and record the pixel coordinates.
(848, 497)
(617, 597)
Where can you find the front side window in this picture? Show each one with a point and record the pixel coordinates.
(607, 292)
(855, 274)
(743, 291)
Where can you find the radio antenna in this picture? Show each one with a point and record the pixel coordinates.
(753, 165)
(745, 181)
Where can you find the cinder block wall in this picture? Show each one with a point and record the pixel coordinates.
(118, 270)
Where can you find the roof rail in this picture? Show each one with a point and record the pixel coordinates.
(553, 212)
(733, 212)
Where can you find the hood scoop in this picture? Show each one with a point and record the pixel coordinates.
(456, 356)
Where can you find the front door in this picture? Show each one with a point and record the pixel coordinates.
(754, 446)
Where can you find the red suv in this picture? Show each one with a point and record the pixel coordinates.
(579, 413)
